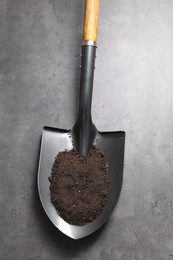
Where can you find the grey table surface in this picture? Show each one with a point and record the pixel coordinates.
(133, 91)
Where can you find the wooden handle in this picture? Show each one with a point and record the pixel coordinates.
(91, 20)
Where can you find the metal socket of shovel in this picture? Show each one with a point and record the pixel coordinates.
(82, 136)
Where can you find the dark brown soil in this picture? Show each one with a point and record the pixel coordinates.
(79, 186)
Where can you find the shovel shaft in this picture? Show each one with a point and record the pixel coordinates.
(86, 82)
(84, 131)
(91, 20)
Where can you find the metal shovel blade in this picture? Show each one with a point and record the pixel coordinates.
(56, 140)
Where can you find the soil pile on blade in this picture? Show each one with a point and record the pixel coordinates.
(79, 186)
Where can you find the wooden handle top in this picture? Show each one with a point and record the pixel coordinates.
(91, 20)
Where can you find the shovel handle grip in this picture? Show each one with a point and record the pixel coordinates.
(91, 20)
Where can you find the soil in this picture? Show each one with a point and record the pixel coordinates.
(79, 186)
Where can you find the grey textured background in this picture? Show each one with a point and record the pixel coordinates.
(39, 81)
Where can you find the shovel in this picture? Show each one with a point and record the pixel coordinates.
(81, 137)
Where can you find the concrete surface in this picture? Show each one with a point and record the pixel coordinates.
(133, 91)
